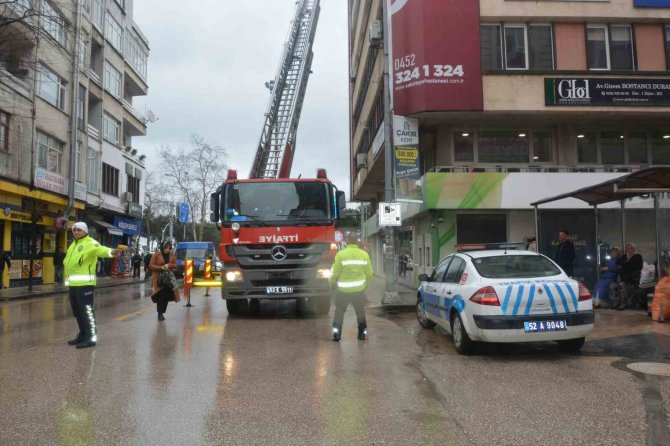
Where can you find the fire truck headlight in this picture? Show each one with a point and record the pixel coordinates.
(234, 276)
(323, 273)
(235, 226)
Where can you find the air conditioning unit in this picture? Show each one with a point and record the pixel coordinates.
(376, 33)
(126, 197)
(361, 160)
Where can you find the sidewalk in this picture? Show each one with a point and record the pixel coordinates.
(20, 293)
(376, 289)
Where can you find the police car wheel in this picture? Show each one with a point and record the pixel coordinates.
(421, 316)
(464, 345)
(571, 345)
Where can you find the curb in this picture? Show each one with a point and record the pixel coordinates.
(63, 290)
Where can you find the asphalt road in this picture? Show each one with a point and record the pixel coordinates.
(202, 377)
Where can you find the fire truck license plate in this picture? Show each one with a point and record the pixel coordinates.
(279, 290)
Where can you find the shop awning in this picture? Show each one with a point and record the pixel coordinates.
(645, 181)
(113, 230)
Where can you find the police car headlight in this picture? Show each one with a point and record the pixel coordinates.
(323, 273)
(234, 276)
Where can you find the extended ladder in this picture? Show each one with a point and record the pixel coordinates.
(276, 147)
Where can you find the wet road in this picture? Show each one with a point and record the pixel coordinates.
(202, 377)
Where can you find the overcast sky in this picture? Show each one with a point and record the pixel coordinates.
(208, 64)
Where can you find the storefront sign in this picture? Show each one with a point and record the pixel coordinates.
(435, 57)
(606, 92)
(406, 146)
(134, 210)
(50, 181)
(389, 214)
(651, 3)
(80, 191)
(129, 227)
(11, 214)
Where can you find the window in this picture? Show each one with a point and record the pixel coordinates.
(636, 147)
(660, 148)
(111, 129)
(113, 32)
(587, 151)
(4, 131)
(541, 47)
(110, 180)
(464, 149)
(98, 12)
(136, 55)
(516, 57)
(53, 23)
(621, 49)
(49, 152)
(81, 120)
(597, 47)
(438, 273)
(51, 87)
(503, 146)
(667, 47)
(611, 148)
(455, 271)
(133, 186)
(83, 51)
(77, 162)
(491, 47)
(542, 147)
(112, 80)
(515, 266)
(93, 170)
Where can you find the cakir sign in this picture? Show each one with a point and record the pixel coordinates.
(435, 55)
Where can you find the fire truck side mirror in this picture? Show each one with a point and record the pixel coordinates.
(214, 207)
(341, 201)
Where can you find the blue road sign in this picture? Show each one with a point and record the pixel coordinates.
(184, 211)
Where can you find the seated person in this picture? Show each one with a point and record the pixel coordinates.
(630, 268)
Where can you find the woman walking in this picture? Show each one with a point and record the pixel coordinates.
(163, 260)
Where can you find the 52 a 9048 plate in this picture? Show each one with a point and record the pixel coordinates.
(542, 326)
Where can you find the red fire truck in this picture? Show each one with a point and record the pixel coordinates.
(277, 239)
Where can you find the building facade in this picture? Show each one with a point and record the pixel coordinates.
(69, 70)
(515, 101)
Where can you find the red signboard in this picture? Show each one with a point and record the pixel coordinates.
(435, 57)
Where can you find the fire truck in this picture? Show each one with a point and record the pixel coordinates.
(278, 233)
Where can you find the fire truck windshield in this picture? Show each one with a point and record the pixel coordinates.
(277, 202)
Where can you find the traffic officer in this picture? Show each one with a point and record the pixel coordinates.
(352, 272)
(79, 265)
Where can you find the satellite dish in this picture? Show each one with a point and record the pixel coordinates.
(151, 117)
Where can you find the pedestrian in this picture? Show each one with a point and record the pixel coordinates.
(4, 260)
(352, 271)
(608, 276)
(137, 262)
(564, 253)
(630, 268)
(59, 256)
(163, 260)
(147, 261)
(79, 266)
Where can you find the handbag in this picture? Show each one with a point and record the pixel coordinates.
(167, 280)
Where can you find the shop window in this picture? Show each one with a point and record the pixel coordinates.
(660, 148)
(503, 146)
(612, 148)
(621, 49)
(516, 57)
(20, 241)
(491, 47)
(597, 47)
(636, 146)
(542, 147)
(464, 148)
(587, 150)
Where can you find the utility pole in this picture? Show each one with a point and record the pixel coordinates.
(171, 219)
(390, 294)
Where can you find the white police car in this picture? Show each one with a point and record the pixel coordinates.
(504, 295)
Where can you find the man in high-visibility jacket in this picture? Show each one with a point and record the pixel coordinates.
(79, 267)
(352, 271)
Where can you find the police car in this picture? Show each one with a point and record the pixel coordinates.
(504, 295)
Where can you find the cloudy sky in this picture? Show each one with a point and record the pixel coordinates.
(208, 65)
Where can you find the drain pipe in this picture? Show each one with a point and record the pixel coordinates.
(73, 112)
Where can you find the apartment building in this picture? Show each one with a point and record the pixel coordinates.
(515, 101)
(69, 70)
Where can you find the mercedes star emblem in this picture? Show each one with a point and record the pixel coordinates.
(279, 252)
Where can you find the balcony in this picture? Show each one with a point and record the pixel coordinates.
(134, 123)
(93, 132)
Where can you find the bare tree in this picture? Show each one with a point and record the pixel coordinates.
(193, 175)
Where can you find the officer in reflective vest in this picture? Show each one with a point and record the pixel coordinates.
(79, 268)
(352, 271)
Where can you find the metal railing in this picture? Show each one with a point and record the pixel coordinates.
(92, 131)
(129, 107)
(545, 168)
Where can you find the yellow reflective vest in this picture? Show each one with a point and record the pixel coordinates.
(81, 259)
(352, 270)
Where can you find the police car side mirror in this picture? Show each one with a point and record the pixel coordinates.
(424, 278)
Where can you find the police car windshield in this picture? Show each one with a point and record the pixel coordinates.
(277, 202)
(515, 266)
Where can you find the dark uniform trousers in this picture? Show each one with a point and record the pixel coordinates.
(342, 301)
(81, 301)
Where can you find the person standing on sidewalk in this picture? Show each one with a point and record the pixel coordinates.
(4, 260)
(564, 254)
(59, 256)
(163, 260)
(352, 272)
(147, 261)
(79, 265)
(137, 262)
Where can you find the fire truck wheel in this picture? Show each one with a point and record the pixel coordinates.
(322, 305)
(236, 306)
(255, 305)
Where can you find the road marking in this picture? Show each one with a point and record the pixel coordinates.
(133, 314)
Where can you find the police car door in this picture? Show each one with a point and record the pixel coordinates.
(433, 290)
(452, 295)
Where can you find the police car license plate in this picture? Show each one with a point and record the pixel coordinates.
(279, 290)
(542, 326)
